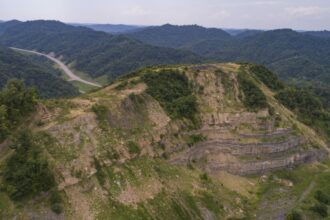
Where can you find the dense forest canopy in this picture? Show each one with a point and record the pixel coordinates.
(292, 54)
(93, 52)
(34, 71)
(16, 103)
(178, 36)
(300, 58)
(297, 57)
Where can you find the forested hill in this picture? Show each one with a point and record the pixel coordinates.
(111, 28)
(322, 34)
(296, 57)
(8, 24)
(35, 72)
(178, 36)
(93, 52)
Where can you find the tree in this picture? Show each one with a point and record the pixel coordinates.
(26, 172)
(16, 102)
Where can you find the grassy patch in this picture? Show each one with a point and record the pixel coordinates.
(194, 139)
(82, 87)
(133, 148)
(101, 112)
(6, 207)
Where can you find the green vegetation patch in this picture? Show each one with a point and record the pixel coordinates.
(194, 139)
(171, 88)
(308, 108)
(320, 209)
(226, 81)
(294, 215)
(133, 148)
(254, 99)
(100, 175)
(101, 112)
(55, 202)
(83, 87)
(26, 172)
(6, 207)
(35, 71)
(16, 103)
(266, 76)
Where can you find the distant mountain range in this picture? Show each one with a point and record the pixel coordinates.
(298, 55)
(322, 34)
(111, 28)
(301, 57)
(178, 36)
(93, 52)
(5, 25)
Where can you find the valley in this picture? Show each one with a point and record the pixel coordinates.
(66, 70)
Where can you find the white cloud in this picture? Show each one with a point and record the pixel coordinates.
(266, 2)
(136, 11)
(221, 14)
(306, 11)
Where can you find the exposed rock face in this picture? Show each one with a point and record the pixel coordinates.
(226, 155)
(217, 146)
(277, 133)
(238, 141)
(232, 119)
(257, 167)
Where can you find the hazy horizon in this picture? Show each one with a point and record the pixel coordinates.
(236, 14)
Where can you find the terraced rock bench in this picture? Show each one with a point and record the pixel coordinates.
(278, 133)
(239, 149)
(260, 167)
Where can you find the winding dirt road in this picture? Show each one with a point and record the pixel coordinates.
(65, 68)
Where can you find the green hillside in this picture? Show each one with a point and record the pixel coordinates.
(291, 54)
(178, 36)
(300, 58)
(92, 52)
(211, 141)
(35, 72)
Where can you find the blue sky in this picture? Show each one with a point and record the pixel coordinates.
(265, 14)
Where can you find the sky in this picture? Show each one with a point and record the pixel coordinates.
(252, 14)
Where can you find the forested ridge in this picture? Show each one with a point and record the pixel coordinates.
(299, 58)
(93, 52)
(36, 72)
(178, 36)
(296, 55)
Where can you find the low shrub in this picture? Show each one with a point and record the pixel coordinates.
(294, 215)
(194, 139)
(55, 201)
(321, 209)
(133, 148)
(322, 197)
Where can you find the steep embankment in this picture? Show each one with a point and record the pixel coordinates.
(174, 143)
